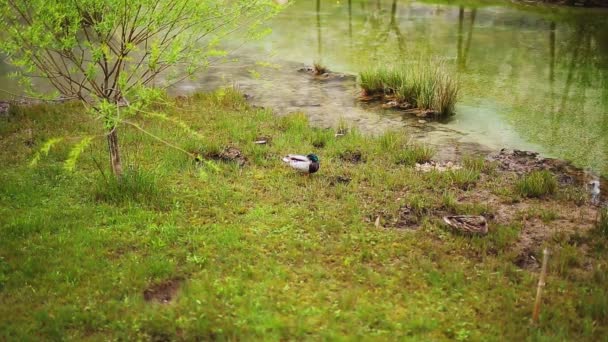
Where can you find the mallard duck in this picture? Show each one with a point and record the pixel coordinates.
(308, 164)
(468, 224)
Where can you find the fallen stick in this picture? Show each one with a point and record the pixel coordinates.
(541, 286)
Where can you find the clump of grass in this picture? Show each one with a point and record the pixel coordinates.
(423, 85)
(391, 140)
(420, 205)
(449, 202)
(135, 185)
(319, 69)
(464, 178)
(320, 137)
(413, 154)
(567, 257)
(537, 184)
(602, 222)
(474, 163)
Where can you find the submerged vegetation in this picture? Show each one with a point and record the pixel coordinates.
(420, 85)
(197, 249)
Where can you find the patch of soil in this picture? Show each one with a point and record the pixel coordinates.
(318, 144)
(390, 102)
(407, 219)
(521, 162)
(339, 180)
(325, 74)
(164, 292)
(354, 157)
(229, 154)
(404, 219)
(572, 220)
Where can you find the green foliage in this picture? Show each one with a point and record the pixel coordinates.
(107, 53)
(75, 152)
(44, 150)
(129, 43)
(537, 184)
(424, 85)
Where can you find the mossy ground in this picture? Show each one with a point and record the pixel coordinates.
(261, 252)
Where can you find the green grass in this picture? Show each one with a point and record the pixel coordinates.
(537, 184)
(602, 222)
(464, 178)
(264, 253)
(423, 85)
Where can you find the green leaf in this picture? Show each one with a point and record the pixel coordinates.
(44, 150)
(75, 152)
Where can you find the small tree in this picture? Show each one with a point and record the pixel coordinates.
(107, 52)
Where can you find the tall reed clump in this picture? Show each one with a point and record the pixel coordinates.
(602, 222)
(423, 85)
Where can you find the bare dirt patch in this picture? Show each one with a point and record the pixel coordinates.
(229, 154)
(354, 157)
(333, 181)
(164, 292)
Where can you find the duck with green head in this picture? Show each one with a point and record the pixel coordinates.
(307, 164)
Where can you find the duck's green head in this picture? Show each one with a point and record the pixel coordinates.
(313, 157)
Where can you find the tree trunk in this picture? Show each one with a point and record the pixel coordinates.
(114, 153)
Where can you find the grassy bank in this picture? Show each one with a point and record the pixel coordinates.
(260, 252)
(421, 85)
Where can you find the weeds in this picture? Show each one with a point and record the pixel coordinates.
(537, 184)
(449, 202)
(602, 222)
(464, 178)
(474, 163)
(413, 154)
(135, 185)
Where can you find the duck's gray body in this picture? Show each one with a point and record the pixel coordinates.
(306, 164)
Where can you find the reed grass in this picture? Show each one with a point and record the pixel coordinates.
(424, 85)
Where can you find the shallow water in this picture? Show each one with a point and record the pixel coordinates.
(532, 77)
